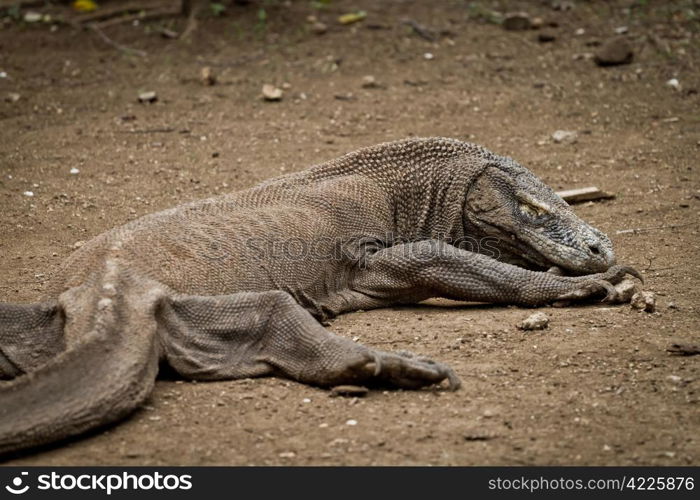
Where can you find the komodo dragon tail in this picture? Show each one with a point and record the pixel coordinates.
(85, 360)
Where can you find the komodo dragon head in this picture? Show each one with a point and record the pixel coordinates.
(532, 223)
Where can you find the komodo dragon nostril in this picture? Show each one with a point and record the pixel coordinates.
(594, 248)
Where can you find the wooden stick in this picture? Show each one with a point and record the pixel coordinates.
(192, 11)
(420, 30)
(684, 349)
(165, 130)
(652, 228)
(151, 14)
(589, 193)
(5, 4)
(116, 45)
(120, 8)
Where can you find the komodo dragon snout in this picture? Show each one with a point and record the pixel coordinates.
(153, 291)
(531, 222)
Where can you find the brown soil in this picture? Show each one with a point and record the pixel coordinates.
(596, 387)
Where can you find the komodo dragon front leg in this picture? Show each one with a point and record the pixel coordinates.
(416, 271)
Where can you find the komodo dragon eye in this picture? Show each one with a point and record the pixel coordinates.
(533, 211)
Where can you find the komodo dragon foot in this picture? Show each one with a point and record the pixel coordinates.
(596, 284)
(409, 371)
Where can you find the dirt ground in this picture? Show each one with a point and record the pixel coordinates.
(596, 388)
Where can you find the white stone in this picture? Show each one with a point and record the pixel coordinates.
(536, 321)
(564, 136)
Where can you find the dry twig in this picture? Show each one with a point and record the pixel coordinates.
(684, 349)
(590, 193)
(635, 230)
(116, 45)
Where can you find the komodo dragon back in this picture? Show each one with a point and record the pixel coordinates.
(234, 286)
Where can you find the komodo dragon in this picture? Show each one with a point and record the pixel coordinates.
(232, 286)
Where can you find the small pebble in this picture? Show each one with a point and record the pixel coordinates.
(517, 21)
(429, 56)
(625, 291)
(32, 17)
(563, 5)
(565, 136)
(674, 84)
(28, 193)
(614, 52)
(349, 391)
(351, 422)
(271, 93)
(319, 28)
(536, 321)
(644, 301)
(369, 82)
(207, 76)
(74, 171)
(149, 96)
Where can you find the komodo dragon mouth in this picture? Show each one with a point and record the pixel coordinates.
(150, 293)
(511, 249)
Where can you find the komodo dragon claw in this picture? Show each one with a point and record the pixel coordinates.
(632, 272)
(587, 286)
(410, 371)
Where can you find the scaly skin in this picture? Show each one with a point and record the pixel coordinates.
(232, 287)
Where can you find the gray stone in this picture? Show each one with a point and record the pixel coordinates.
(517, 21)
(319, 28)
(614, 52)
